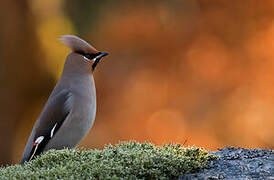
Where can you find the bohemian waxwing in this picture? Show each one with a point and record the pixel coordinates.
(70, 110)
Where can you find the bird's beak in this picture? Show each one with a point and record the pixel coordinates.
(97, 59)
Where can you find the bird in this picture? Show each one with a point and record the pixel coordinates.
(70, 110)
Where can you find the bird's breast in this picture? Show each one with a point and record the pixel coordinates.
(84, 104)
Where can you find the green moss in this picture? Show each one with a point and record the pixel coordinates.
(128, 160)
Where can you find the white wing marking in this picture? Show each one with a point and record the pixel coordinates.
(36, 143)
(52, 131)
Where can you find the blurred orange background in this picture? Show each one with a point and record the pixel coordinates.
(195, 72)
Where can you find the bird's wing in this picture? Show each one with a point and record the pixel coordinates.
(51, 119)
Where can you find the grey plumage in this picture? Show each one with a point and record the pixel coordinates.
(70, 110)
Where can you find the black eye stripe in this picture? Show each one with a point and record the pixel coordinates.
(89, 56)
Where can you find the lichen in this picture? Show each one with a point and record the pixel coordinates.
(126, 160)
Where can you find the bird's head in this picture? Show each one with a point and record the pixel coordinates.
(81, 47)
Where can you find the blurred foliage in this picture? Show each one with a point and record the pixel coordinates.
(85, 15)
(178, 70)
(127, 160)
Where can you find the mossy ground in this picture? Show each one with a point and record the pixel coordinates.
(127, 160)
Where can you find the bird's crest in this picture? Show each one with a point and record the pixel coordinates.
(77, 44)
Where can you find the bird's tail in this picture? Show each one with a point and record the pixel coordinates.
(77, 44)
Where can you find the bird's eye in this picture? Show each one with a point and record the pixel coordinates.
(88, 56)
